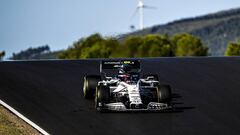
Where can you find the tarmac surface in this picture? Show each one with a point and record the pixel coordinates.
(206, 95)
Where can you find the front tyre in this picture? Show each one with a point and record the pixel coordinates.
(102, 97)
(164, 94)
(89, 86)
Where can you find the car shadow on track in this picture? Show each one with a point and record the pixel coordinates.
(178, 105)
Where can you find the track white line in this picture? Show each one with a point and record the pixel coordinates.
(24, 118)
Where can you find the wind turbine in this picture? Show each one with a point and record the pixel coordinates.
(140, 8)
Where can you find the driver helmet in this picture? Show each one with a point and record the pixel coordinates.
(125, 69)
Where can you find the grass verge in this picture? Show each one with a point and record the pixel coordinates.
(12, 125)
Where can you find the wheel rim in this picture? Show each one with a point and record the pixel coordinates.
(85, 87)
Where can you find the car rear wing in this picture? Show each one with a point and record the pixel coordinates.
(116, 64)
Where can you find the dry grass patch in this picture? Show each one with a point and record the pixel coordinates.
(12, 125)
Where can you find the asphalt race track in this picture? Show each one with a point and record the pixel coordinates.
(206, 95)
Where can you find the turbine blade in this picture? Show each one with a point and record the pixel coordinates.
(134, 14)
(149, 7)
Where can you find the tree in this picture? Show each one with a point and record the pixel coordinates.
(129, 49)
(155, 46)
(94, 46)
(233, 49)
(103, 49)
(188, 45)
(31, 53)
(80, 48)
(2, 54)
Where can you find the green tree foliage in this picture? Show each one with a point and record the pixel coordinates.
(129, 49)
(102, 49)
(2, 54)
(188, 45)
(233, 49)
(95, 46)
(31, 53)
(155, 46)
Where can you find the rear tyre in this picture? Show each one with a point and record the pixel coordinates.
(102, 97)
(164, 94)
(89, 86)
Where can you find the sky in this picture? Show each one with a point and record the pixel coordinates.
(59, 23)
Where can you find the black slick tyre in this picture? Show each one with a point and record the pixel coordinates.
(102, 97)
(164, 94)
(89, 86)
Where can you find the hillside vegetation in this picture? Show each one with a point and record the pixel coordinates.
(215, 30)
(96, 46)
(41, 52)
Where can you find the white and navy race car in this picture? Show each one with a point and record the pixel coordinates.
(125, 90)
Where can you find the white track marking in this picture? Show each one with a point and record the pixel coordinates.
(24, 118)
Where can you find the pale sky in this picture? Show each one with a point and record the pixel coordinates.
(58, 23)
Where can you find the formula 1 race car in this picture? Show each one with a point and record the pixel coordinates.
(125, 90)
